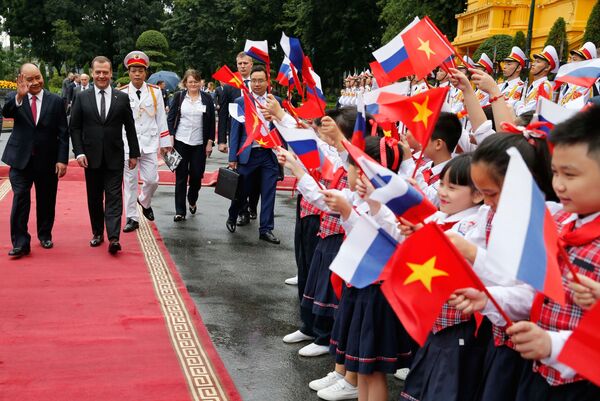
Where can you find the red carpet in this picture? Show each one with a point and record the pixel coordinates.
(79, 324)
(165, 177)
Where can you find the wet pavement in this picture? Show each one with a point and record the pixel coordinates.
(237, 283)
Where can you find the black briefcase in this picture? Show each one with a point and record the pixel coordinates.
(228, 182)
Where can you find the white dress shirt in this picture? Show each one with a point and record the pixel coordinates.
(38, 103)
(189, 130)
(107, 98)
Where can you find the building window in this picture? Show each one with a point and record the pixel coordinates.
(468, 24)
(483, 21)
(506, 19)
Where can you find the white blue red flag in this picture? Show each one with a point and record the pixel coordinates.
(258, 50)
(293, 50)
(392, 190)
(549, 112)
(582, 73)
(393, 57)
(523, 243)
(364, 253)
(285, 76)
(360, 125)
(388, 94)
(304, 144)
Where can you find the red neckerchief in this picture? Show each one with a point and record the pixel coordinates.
(571, 236)
(447, 226)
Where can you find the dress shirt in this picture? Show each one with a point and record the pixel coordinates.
(38, 103)
(189, 130)
(107, 98)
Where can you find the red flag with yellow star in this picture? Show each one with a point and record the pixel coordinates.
(425, 43)
(420, 277)
(224, 74)
(419, 113)
(257, 128)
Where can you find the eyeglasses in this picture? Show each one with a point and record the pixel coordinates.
(257, 81)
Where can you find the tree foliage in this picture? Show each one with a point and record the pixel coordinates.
(498, 45)
(520, 40)
(558, 38)
(156, 47)
(592, 29)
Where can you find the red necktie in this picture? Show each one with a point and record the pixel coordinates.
(426, 174)
(34, 109)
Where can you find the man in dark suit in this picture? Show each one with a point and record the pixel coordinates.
(37, 152)
(83, 86)
(97, 120)
(254, 161)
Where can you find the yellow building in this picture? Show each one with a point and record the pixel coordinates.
(484, 18)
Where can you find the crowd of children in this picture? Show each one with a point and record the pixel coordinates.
(471, 352)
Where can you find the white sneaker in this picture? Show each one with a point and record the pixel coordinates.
(401, 373)
(313, 349)
(292, 280)
(324, 382)
(297, 337)
(341, 390)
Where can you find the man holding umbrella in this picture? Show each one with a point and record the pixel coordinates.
(151, 126)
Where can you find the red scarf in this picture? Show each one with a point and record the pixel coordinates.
(571, 236)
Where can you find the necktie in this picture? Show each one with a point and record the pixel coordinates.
(504, 86)
(34, 109)
(427, 174)
(246, 82)
(139, 93)
(102, 106)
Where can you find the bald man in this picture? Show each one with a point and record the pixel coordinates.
(85, 85)
(37, 153)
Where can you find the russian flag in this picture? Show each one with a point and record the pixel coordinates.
(317, 91)
(393, 57)
(364, 253)
(327, 167)
(258, 50)
(293, 50)
(388, 94)
(523, 243)
(360, 125)
(304, 144)
(392, 190)
(582, 73)
(285, 72)
(549, 112)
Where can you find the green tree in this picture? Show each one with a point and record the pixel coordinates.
(67, 41)
(592, 29)
(520, 40)
(396, 14)
(156, 47)
(496, 47)
(558, 38)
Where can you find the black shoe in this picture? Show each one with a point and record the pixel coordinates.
(269, 237)
(96, 240)
(178, 217)
(230, 224)
(114, 247)
(148, 213)
(193, 209)
(46, 243)
(17, 252)
(252, 214)
(131, 226)
(243, 220)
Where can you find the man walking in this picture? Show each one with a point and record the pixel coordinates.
(146, 102)
(37, 152)
(97, 120)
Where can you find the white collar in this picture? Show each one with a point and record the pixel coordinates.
(437, 168)
(456, 217)
(107, 90)
(133, 89)
(39, 96)
(584, 220)
(540, 80)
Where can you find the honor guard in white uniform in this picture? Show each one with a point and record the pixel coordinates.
(151, 126)
(543, 64)
(486, 65)
(570, 92)
(512, 65)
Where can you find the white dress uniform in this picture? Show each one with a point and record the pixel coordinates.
(512, 90)
(539, 87)
(151, 127)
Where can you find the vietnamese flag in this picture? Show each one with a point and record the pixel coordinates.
(224, 74)
(582, 350)
(420, 277)
(257, 127)
(426, 44)
(419, 113)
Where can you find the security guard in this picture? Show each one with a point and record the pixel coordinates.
(570, 92)
(512, 65)
(151, 126)
(544, 63)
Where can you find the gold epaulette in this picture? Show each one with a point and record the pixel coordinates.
(152, 85)
(120, 88)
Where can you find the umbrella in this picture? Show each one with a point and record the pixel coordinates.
(171, 79)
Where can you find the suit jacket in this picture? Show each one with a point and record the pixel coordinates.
(208, 118)
(229, 95)
(49, 139)
(237, 137)
(103, 141)
(78, 90)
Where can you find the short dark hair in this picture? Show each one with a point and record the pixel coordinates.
(449, 129)
(258, 68)
(582, 128)
(459, 170)
(101, 60)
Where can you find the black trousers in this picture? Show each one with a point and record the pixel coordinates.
(105, 200)
(45, 180)
(189, 172)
